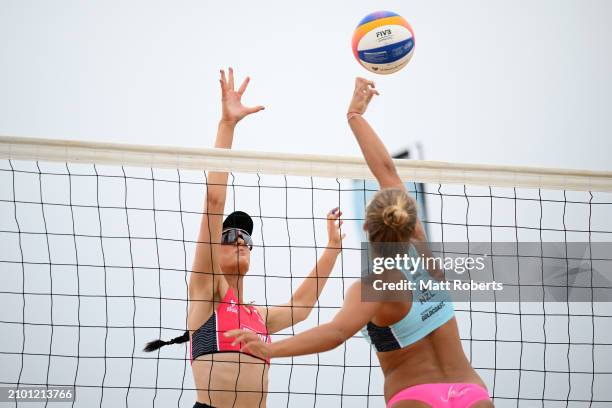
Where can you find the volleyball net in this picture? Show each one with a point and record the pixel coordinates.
(97, 240)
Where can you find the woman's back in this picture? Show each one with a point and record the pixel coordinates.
(436, 358)
(417, 339)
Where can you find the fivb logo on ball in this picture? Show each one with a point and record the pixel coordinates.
(384, 33)
(383, 42)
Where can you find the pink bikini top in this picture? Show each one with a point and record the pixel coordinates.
(209, 338)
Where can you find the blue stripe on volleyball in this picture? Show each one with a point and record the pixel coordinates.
(376, 15)
(388, 53)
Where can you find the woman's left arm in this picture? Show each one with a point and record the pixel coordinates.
(353, 316)
(303, 299)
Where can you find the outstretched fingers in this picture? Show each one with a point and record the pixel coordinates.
(244, 85)
(254, 109)
(230, 82)
(233, 109)
(223, 81)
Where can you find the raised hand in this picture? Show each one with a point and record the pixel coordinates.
(232, 108)
(364, 91)
(333, 228)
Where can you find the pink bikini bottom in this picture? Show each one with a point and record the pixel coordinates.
(443, 395)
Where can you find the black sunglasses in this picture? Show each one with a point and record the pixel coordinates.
(231, 235)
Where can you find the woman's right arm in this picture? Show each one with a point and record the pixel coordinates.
(206, 273)
(353, 315)
(374, 151)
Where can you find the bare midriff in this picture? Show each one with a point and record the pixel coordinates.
(231, 380)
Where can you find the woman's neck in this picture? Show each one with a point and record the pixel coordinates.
(235, 282)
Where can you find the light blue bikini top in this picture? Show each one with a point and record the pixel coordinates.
(430, 309)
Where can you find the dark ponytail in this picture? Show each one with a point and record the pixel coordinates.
(155, 344)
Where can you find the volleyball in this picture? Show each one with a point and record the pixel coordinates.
(383, 42)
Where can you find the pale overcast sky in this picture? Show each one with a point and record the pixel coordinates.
(506, 82)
